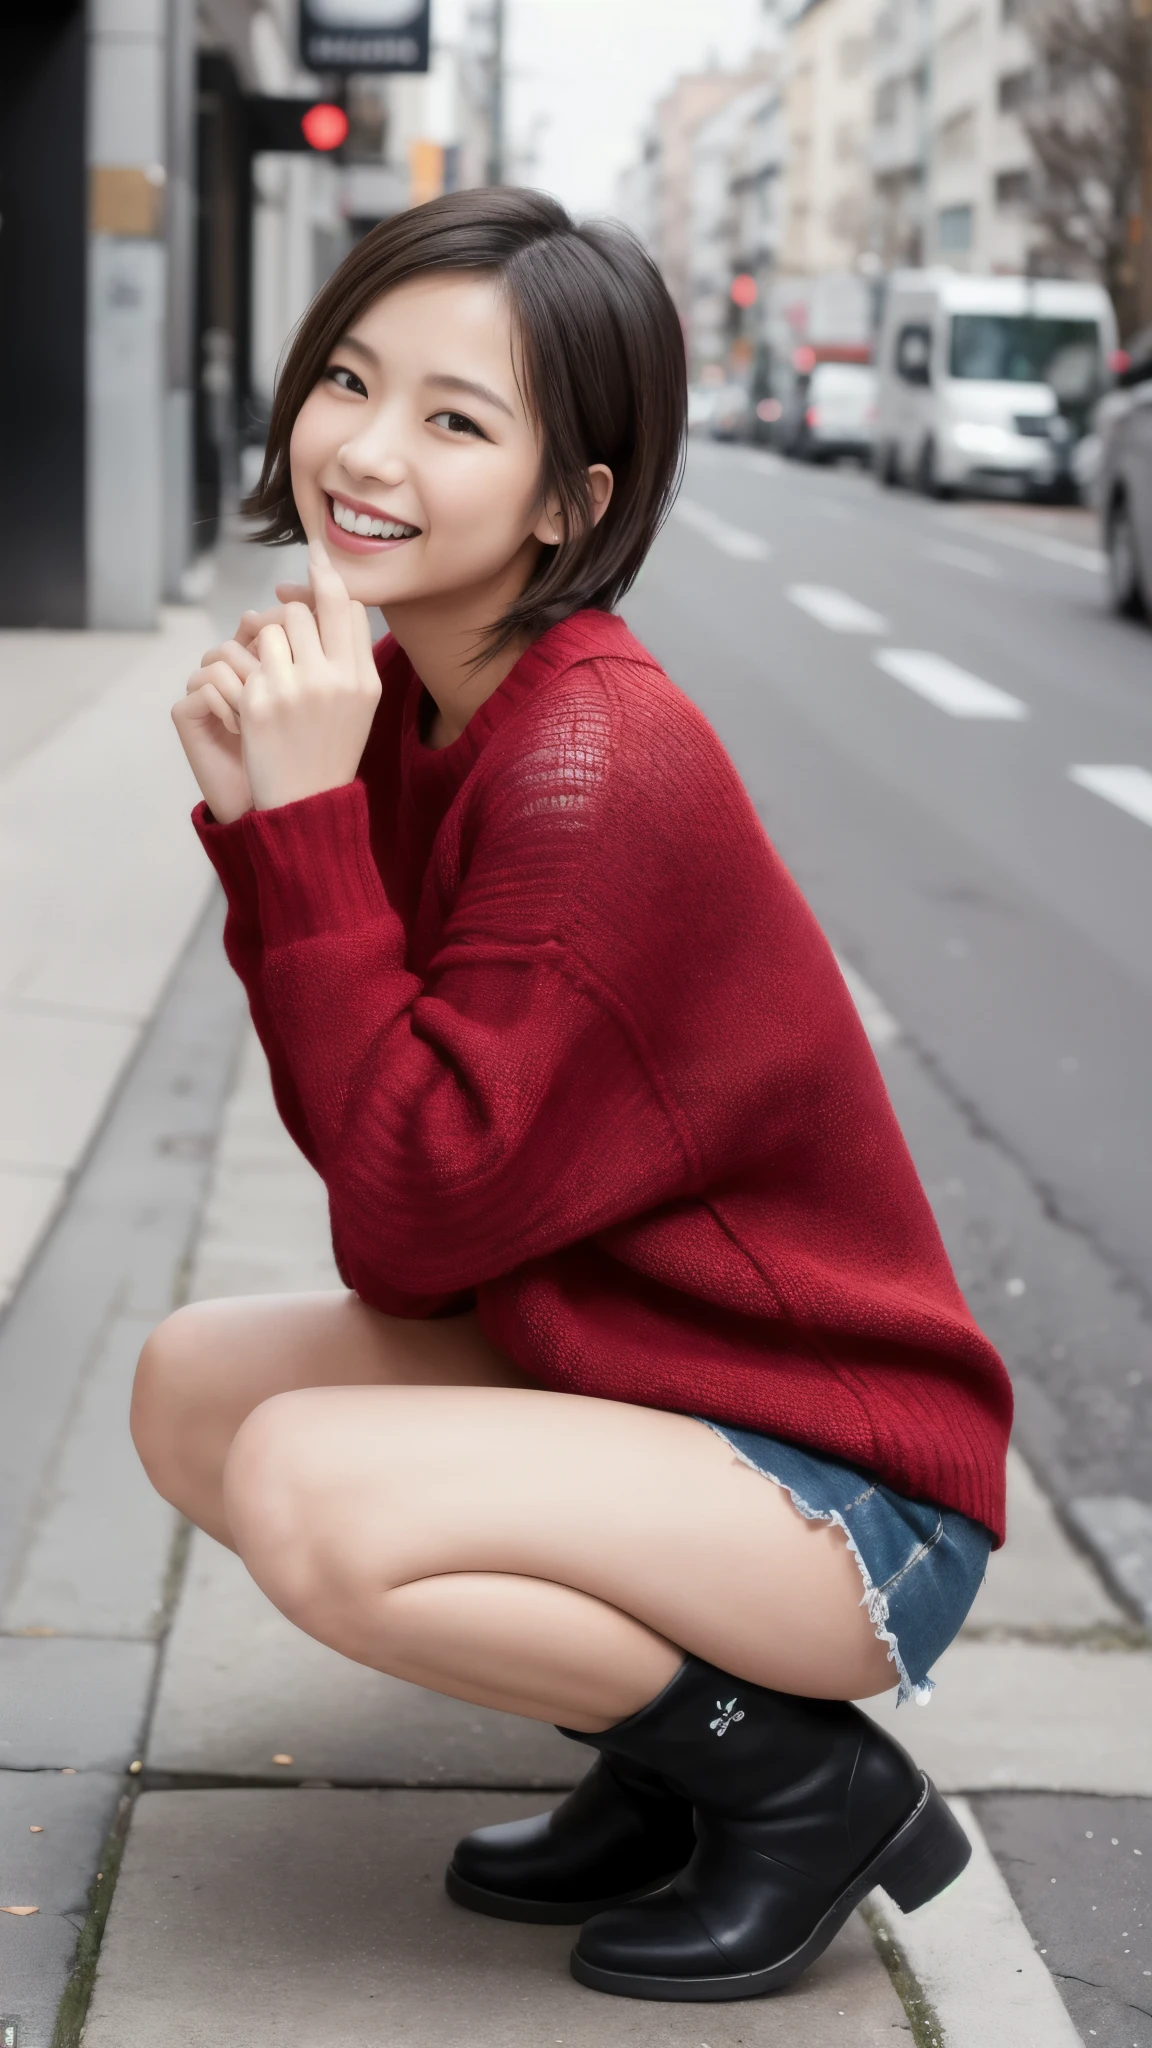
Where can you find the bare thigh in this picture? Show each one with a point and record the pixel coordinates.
(358, 1510)
(205, 1369)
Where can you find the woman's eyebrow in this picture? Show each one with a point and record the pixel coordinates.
(359, 348)
(447, 383)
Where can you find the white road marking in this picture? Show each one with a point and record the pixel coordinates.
(1129, 788)
(835, 609)
(731, 540)
(975, 1961)
(1065, 551)
(950, 688)
(878, 1021)
(963, 558)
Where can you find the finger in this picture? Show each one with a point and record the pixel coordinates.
(240, 659)
(202, 705)
(225, 679)
(333, 604)
(362, 646)
(210, 699)
(300, 630)
(276, 665)
(253, 623)
(295, 593)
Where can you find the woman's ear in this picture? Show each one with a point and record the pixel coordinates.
(599, 490)
(549, 528)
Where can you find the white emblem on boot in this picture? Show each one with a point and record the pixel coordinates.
(725, 1717)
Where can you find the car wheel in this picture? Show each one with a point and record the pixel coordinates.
(926, 476)
(1125, 585)
(887, 465)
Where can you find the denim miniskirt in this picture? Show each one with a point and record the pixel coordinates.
(922, 1566)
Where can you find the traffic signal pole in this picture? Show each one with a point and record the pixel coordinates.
(496, 153)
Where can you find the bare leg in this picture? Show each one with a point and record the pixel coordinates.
(539, 1552)
(204, 1370)
(406, 1495)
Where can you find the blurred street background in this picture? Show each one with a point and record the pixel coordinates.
(909, 580)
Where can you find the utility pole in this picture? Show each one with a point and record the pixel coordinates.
(496, 97)
(1141, 225)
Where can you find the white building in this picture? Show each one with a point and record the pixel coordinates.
(734, 224)
(951, 161)
(828, 89)
(978, 169)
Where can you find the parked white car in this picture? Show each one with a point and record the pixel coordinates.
(834, 414)
(987, 382)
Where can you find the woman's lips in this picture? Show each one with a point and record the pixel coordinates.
(355, 543)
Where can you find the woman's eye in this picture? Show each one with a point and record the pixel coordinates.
(456, 423)
(346, 380)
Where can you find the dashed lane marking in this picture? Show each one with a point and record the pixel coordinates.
(948, 687)
(962, 558)
(731, 540)
(1067, 552)
(1130, 789)
(835, 609)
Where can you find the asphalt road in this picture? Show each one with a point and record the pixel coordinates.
(1001, 908)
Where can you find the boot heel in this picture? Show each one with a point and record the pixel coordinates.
(930, 1850)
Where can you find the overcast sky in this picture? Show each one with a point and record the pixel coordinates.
(585, 73)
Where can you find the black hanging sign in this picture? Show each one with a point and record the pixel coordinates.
(364, 35)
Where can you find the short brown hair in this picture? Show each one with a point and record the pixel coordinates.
(603, 359)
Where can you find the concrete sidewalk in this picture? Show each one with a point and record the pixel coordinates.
(283, 1869)
(284, 1817)
(100, 886)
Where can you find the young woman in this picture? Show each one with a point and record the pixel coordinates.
(652, 1407)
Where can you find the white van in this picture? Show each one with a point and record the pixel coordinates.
(987, 381)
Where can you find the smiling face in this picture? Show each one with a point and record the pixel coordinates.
(414, 458)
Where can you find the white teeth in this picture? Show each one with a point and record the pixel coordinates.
(363, 524)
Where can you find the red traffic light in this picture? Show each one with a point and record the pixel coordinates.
(324, 126)
(744, 291)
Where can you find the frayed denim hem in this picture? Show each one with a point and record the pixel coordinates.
(873, 1597)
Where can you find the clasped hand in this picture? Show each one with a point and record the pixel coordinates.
(283, 711)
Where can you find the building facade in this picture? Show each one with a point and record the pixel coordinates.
(180, 264)
(733, 225)
(828, 93)
(978, 165)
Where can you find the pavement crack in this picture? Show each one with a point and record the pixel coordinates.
(1094, 1984)
(1044, 1193)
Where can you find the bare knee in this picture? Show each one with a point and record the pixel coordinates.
(165, 1397)
(279, 1494)
(296, 1514)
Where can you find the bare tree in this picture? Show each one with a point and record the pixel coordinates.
(1083, 118)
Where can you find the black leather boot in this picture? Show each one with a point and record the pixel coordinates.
(801, 1807)
(619, 1834)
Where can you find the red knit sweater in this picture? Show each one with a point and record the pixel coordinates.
(552, 1020)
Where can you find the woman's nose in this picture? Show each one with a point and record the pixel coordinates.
(373, 453)
(361, 462)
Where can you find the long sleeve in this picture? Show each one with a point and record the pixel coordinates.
(243, 944)
(555, 1025)
(470, 1120)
